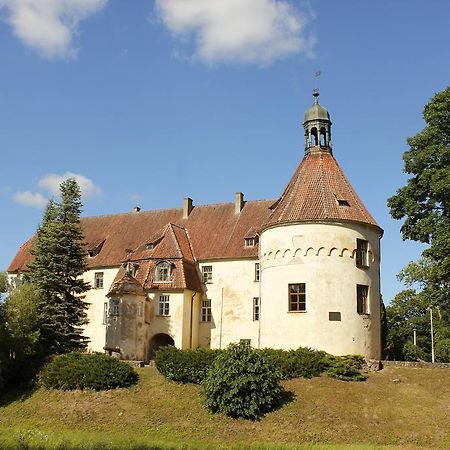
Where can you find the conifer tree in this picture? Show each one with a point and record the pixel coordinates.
(57, 265)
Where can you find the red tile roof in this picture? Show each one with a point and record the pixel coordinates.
(319, 190)
(213, 232)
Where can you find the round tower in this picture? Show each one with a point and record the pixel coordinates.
(320, 257)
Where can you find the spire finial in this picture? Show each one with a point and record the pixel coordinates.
(316, 93)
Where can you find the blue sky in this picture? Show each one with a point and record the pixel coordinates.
(149, 102)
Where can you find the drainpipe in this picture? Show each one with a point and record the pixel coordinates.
(191, 320)
(221, 322)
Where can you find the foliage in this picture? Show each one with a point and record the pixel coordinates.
(346, 368)
(443, 350)
(184, 366)
(413, 352)
(242, 383)
(424, 206)
(21, 345)
(3, 283)
(56, 269)
(87, 371)
(302, 362)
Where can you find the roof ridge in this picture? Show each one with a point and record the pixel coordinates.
(171, 225)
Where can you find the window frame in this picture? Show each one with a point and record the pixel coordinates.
(206, 311)
(105, 313)
(207, 275)
(297, 300)
(164, 305)
(99, 280)
(160, 266)
(362, 299)
(256, 309)
(362, 253)
(257, 271)
(114, 307)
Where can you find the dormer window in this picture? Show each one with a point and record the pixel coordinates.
(163, 272)
(93, 249)
(343, 202)
(250, 242)
(131, 268)
(150, 246)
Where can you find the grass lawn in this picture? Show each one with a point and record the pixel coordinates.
(413, 411)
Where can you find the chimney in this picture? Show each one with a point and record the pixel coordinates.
(239, 202)
(187, 207)
(136, 209)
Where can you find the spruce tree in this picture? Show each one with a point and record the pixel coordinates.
(56, 269)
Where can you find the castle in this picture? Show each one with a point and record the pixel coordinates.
(302, 270)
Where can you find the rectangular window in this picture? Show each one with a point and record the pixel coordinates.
(256, 271)
(98, 280)
(163, 305)
(206, 311)
(140, 309)
(297, 297)
(362, 300)
(250, 242)
(114, 307)
(105, 313)
(207, 274)
(255, 308)
(362, 255)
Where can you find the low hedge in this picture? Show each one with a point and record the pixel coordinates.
(192, 366)
(87, 371)
(185, 366)
(300, 363)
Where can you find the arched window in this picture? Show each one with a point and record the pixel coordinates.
(323, 137)
(163, 271)
(314, 137)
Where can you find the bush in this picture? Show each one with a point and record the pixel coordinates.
(87, 371)
(242, 383)
(345, 368)
(303, 362)
(414, 352)
(185, 366)
(443, 350)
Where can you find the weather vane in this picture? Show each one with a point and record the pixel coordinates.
(317, 74)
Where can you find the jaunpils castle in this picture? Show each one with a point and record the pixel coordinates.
(302, 270)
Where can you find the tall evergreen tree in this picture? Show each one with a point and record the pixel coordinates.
(56, 269)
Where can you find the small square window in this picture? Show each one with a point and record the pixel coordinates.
(250, 242)
(206, 314)
(362, 253)
(256, 308)
(257, 271)
(207, 274)
(362, 299)
(114, 307)
(297, 297)
(98, 280)
(163, 305)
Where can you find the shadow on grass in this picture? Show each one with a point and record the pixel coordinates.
(17, 393)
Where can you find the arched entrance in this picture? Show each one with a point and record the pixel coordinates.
(158, 340)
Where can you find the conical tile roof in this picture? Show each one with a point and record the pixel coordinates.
(319, 190)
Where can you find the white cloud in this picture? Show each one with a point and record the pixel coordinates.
(28, 198)
(49, 26)
(250, 31)
(52, 181)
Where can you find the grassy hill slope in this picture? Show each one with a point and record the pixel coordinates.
(413, 410)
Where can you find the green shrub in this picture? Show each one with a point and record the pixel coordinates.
(185, 366)
(443, 350)
(87, 371)
(345, 368)
(303, 362)
(413, 352)
(242, 383)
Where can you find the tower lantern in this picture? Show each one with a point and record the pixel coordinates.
(317, 125)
